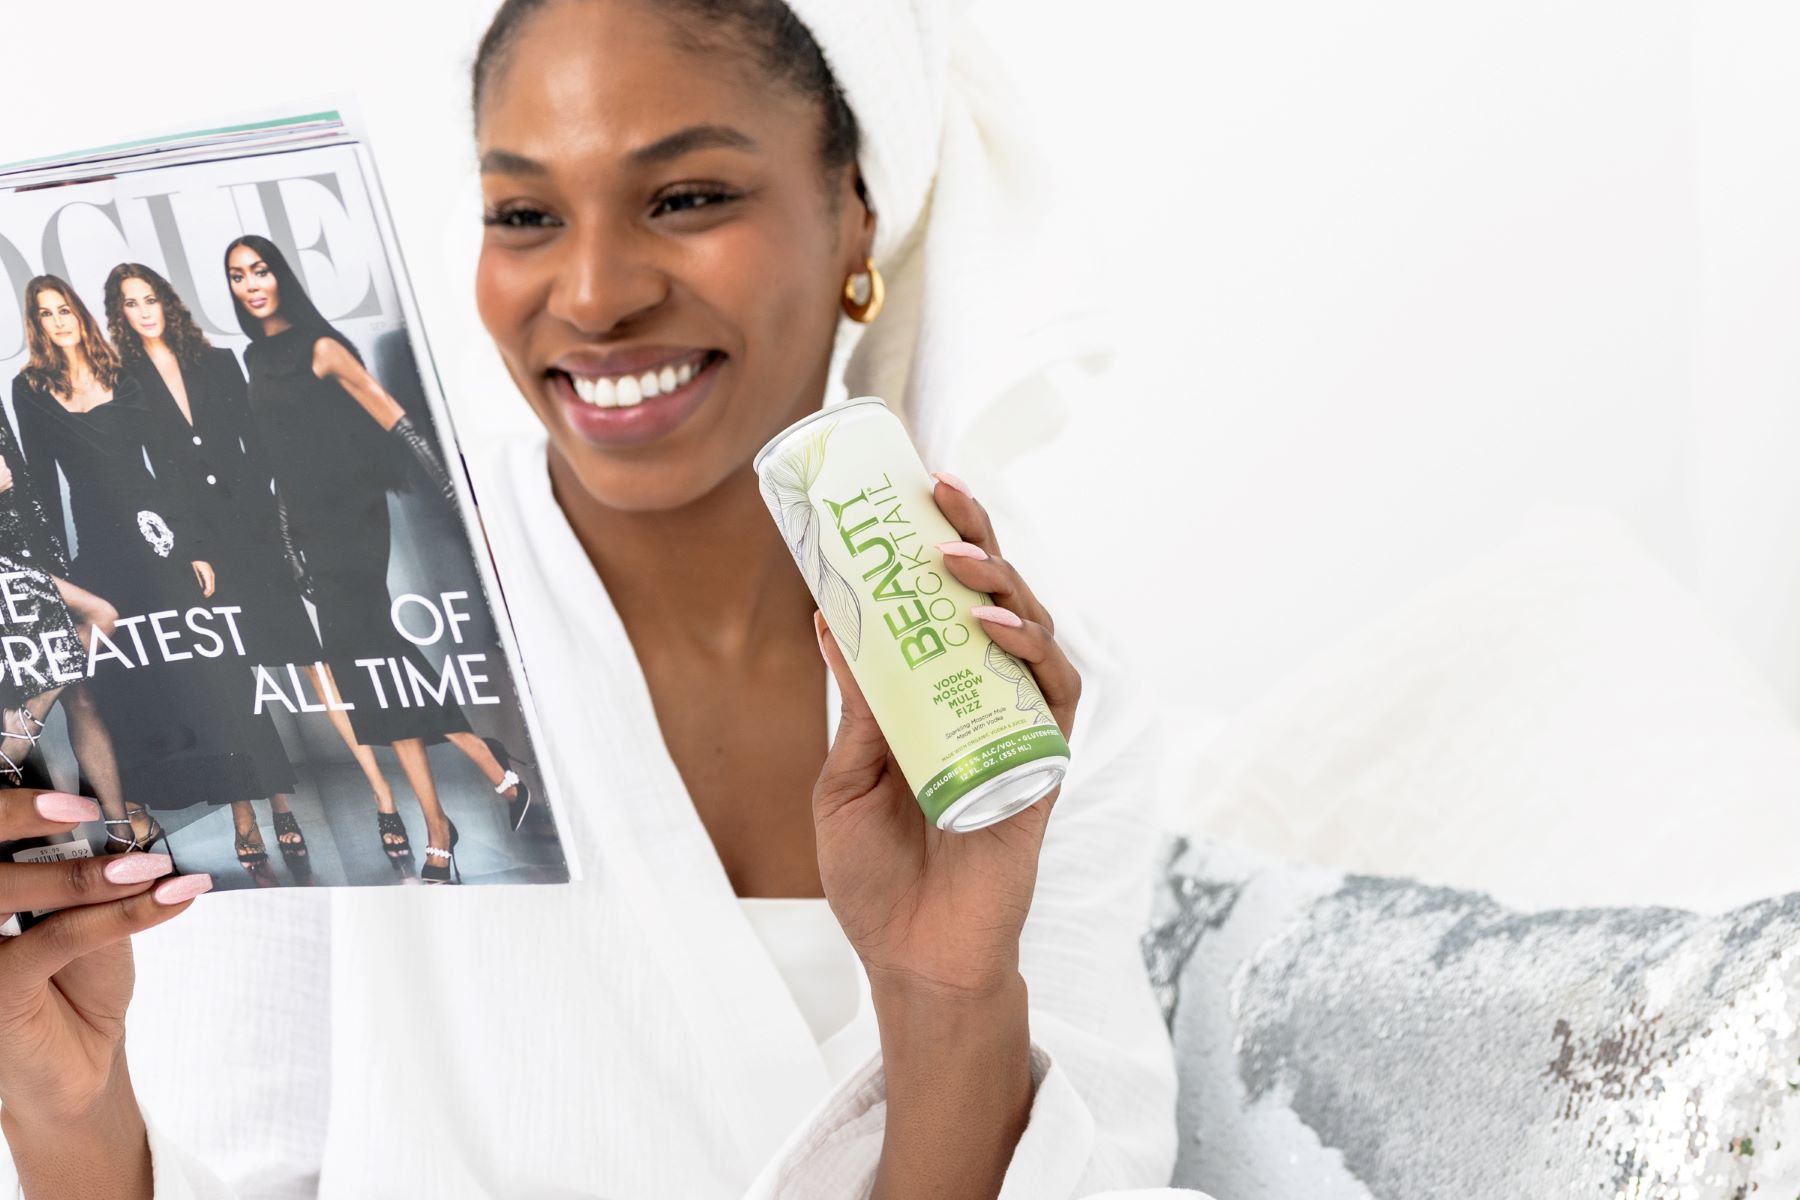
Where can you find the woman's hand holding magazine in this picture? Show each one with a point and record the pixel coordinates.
(66, 1104)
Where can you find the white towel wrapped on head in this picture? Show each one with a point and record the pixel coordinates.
(988, 279)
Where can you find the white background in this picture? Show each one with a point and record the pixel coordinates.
(1390, 276)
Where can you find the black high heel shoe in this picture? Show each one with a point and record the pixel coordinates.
(252, 854)
(389, 825)
(433, 872)
(520, 803)
(296, 853)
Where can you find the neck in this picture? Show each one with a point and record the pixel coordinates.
(714, 577)
(75, 360)
(275, 325)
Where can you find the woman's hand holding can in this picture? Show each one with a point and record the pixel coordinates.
(919, 904)
(936, 915)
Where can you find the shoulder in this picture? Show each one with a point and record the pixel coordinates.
(137, 370)
(332, 352)
(28, 396)
(256, 352)
(217, 360)
(129, 386)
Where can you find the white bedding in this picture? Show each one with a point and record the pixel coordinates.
(1558, 724)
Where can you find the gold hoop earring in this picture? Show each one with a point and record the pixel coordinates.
(864, 311)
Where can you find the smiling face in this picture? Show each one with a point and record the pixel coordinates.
(252, 283)
(143, 311)
(664, 249)
(58, 320)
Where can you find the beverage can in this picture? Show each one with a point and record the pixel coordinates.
(965, 720)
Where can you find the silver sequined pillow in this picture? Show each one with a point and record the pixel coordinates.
(1344, 1037)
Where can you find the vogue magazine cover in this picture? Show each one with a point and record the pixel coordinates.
(244, 600)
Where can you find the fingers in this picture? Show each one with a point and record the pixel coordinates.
(1032, 644)
(965, 514)
(1018, 623)
(976, 560)
(981, 571)
(47, 948)
(28, 813)
(31, 886)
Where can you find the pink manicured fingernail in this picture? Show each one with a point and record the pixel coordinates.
(996, 614)
(137, 868)
(60, 806)
(963, 550)
(182, 887)
(949, 480)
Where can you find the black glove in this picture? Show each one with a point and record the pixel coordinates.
(425, 455)
(295, 560)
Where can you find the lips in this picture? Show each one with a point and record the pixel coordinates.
(627, 398)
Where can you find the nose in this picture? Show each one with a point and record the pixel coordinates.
(606, 280)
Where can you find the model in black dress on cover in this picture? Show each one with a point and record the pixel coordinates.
(179, 733)
(42, 604)
(203, 444)
(337, 442)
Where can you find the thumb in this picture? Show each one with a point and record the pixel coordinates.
(859, 751)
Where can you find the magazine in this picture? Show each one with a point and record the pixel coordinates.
(244, 600)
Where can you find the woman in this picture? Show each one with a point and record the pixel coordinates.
(333, 433)
(200, 444)
(678, 183)
(178, 726)
(58, 617)
(205, 444)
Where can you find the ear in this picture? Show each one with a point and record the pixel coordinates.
(857, 227)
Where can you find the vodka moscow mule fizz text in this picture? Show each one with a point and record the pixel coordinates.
(965, 719)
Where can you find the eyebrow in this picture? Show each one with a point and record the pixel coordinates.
(694, 137)
(682, 141)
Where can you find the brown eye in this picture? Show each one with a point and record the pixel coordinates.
(518, 216)
(689, 199)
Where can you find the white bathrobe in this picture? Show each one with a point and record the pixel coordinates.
(626, 1036)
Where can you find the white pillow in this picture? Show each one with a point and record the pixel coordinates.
(1558, 725)
(1362, 1038)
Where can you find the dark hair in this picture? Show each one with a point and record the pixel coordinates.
(47, 368)
(768, 29)
(180, 331)
(292, 302)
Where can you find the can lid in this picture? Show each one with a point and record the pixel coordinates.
(830, 410)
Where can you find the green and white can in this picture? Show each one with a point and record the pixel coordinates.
(965, 720)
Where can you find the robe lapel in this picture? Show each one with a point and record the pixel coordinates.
(636, 823)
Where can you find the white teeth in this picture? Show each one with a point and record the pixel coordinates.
(627, 390)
